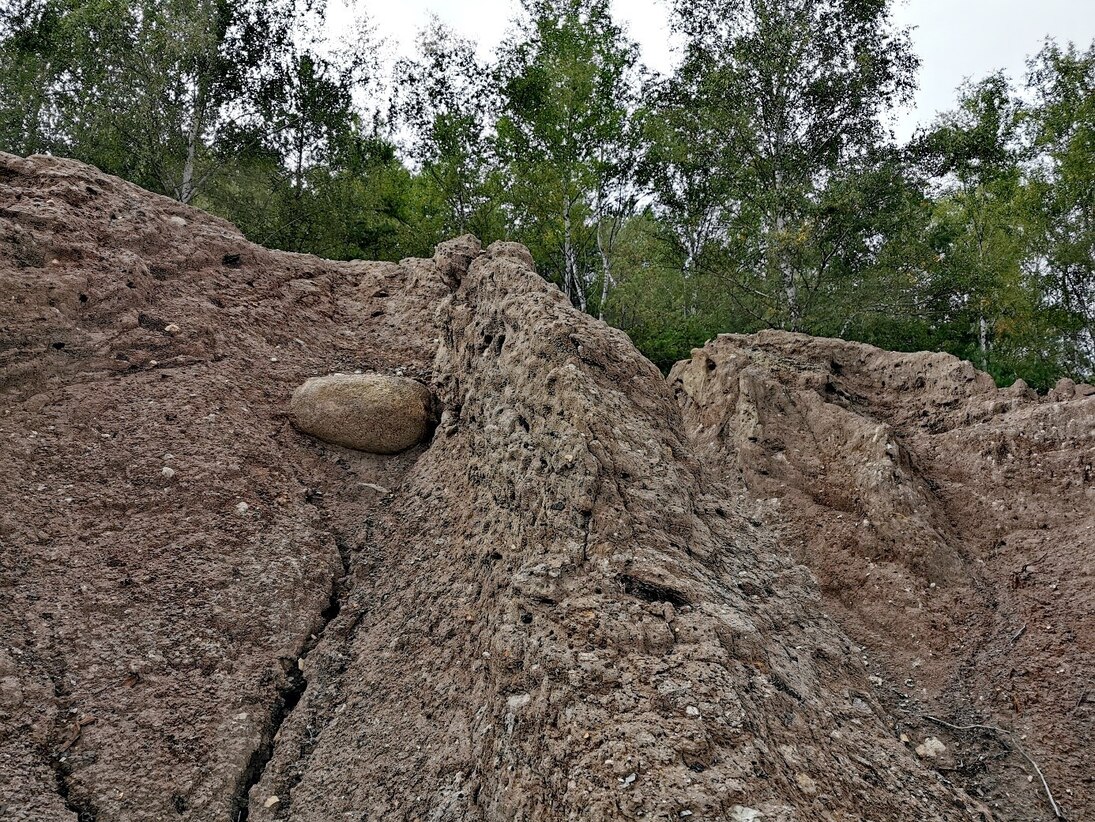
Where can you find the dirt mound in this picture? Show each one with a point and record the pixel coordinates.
(952, 528)
(153, 619)
(562, 606)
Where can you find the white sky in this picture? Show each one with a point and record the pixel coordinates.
(956, 39)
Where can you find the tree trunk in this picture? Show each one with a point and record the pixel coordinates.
(791, 290)
(187, 189)
(779, 222)
(606, 271)
(570, 258)
(982, 342)
(33, 133)
(982, 324)
(787, 280)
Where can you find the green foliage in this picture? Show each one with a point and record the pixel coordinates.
(1060, 200)
(444, 99)
(666, 310)
(782, 98)
(1007, 288)
(565, 139)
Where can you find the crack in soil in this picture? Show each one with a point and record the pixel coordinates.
(320, 711)
(290, 694)
(57, 758)
(84, 810)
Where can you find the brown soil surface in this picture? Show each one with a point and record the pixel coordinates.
(574, 601)
(952, 528)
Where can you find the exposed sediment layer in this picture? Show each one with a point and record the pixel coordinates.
(561, 606)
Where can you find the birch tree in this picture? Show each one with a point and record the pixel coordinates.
(444, 98)
(567, 81)
(147, 89)
(785, 96)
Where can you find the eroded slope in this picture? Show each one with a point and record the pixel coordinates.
(552, 611)
(952, 528)
(169, 543)
(566, 619)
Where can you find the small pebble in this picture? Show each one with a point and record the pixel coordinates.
(930, 748)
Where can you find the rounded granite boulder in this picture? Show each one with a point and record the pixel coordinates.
(376, 413)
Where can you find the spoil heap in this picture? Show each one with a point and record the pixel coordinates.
(952, 528)
(562, 605)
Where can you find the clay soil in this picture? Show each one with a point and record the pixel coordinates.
(780, 585)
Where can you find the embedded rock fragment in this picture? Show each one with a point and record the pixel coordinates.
(376, 413)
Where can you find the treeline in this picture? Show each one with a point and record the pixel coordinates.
(756, 186)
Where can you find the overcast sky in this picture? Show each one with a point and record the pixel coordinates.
(955, 39)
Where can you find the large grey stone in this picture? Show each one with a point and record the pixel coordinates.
(367, 412)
